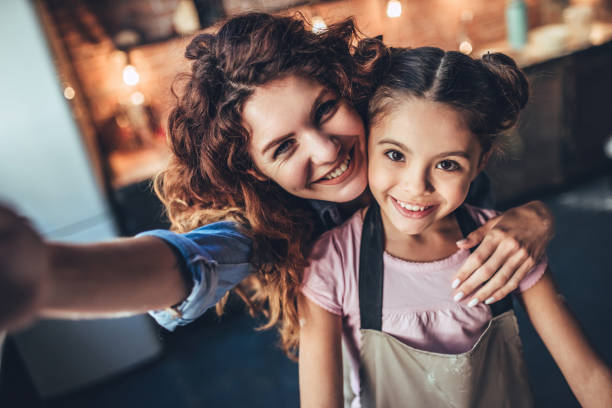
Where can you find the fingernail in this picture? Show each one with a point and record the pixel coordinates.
(461, 242)
(458, 297)
(455, 283)
(473, 302)
(489, 300)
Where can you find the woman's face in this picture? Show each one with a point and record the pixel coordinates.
(307, 139)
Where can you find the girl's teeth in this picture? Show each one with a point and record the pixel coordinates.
(410, 207)
(339, 170)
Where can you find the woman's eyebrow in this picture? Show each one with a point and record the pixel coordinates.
(318, 100)
(313, 110)
(276, 141)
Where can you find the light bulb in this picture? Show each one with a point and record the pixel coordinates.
(318, 25)
(465, 47)
(69, 92)
(130, 75)
(137, 98)
(394, 8)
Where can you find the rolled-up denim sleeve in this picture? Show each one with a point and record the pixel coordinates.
(216, 258)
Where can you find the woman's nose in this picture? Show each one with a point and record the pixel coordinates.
(323, 148)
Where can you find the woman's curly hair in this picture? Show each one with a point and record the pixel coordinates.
(210, 174)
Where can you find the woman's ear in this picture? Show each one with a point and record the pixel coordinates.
(257, 175)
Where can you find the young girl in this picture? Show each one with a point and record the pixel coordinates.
(380, 281)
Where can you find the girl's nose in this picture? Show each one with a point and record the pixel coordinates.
(323, 148)
(416, 181)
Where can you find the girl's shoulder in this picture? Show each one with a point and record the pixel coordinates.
(330, 273)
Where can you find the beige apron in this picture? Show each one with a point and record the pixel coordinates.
(393, 374)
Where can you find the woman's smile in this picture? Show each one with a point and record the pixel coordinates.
(339, 173)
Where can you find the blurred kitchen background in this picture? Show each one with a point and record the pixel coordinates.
(86, 89)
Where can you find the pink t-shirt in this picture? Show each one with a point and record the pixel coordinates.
(418, 306)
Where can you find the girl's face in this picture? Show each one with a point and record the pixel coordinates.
(307, 140)
(422, 159)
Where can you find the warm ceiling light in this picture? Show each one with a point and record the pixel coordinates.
(137, 98)
(394, 8)
(69, 92)
(466, 47)
(130, 76)
(318, 25)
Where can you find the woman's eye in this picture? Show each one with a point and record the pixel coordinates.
(283, 147)
(325, 110)
(448, 165)
(394, 155)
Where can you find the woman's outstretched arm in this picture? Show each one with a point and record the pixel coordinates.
(131, 275)
(37, 278)
(587, 375)
(320, 356)
(508, 247)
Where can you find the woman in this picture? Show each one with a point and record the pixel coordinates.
(268, 132)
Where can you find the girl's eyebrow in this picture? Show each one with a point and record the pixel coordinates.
(460, 153)
(313, 109)
(395, 143)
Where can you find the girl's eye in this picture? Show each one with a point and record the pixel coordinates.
(325, 110)
(448, 165)
(283, 147)
(394, 155)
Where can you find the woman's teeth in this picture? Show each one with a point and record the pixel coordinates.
(410, 207)
(339, 170)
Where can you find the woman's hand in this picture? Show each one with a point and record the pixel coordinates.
(510, 245)
(24, 264)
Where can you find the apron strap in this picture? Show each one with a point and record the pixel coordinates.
(371, 271)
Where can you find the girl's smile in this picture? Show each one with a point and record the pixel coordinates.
(422, 159)
(413, 210)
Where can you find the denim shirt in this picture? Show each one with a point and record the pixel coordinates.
(215, 257)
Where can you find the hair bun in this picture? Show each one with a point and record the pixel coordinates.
(509, 78)
(199, 46)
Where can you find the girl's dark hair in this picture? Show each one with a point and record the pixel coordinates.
(489, 92)
(210, 174)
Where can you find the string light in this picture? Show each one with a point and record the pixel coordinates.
(130, 75)
(318, 25)
(394, 8)
(69, 92)
(465, 47)
(137, 98)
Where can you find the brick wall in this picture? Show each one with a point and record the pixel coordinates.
(98, 65)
